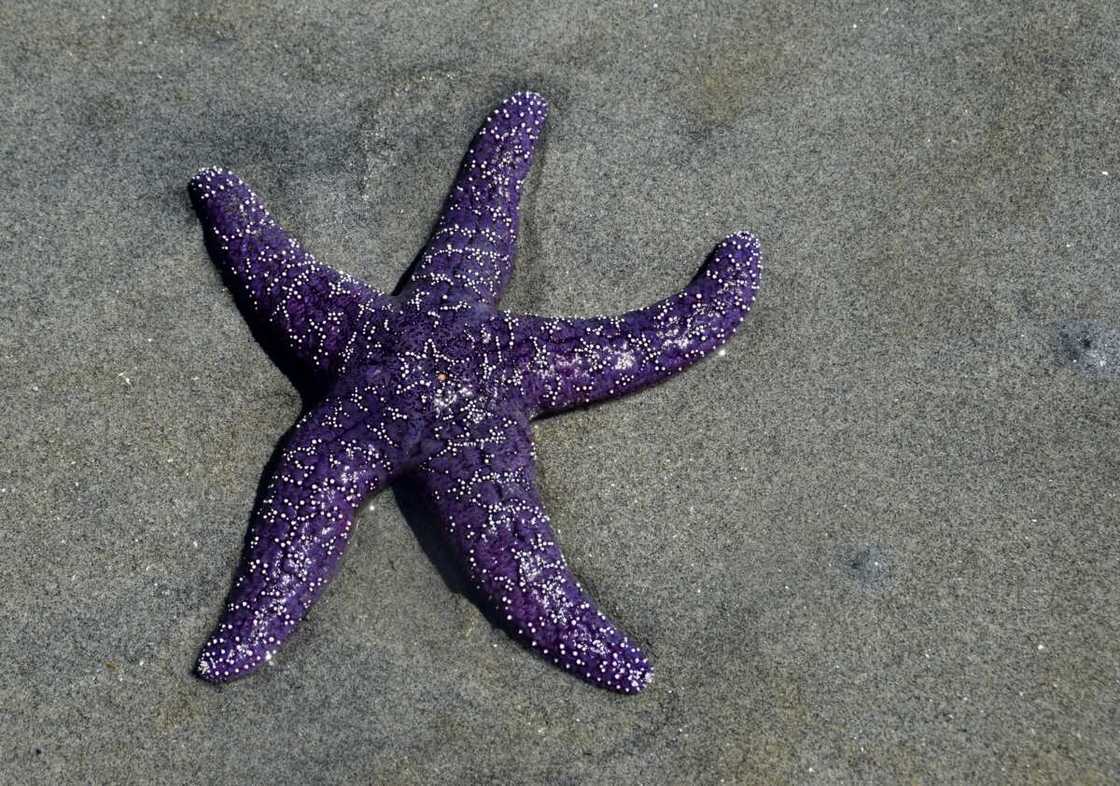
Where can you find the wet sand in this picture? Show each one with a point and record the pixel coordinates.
(875, 541)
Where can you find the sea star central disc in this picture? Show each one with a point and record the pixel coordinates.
(437, 384)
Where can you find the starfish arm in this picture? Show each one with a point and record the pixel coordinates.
(573, 362)
(472, 246)
(309, 310)
(482, 487)
(333, 459)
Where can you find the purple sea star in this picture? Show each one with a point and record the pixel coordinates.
(437, 384)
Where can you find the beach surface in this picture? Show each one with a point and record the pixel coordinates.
(876, 540)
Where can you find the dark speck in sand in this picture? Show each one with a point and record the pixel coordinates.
(868, 564)
(1091, 347)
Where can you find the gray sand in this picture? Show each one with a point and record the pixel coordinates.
(876, 541)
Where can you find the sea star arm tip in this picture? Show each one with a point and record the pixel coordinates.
(333, 459)
(574, 362)
(307, 309)
(484, 492)
(472, 247)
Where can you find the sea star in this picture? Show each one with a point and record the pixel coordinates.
(437, 384)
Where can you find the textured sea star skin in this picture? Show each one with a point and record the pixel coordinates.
(436, 383)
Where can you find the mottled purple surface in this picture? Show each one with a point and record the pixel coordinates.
(437, 384)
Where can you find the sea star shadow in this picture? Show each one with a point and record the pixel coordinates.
(431, 389)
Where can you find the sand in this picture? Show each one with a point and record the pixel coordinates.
(875, 541)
